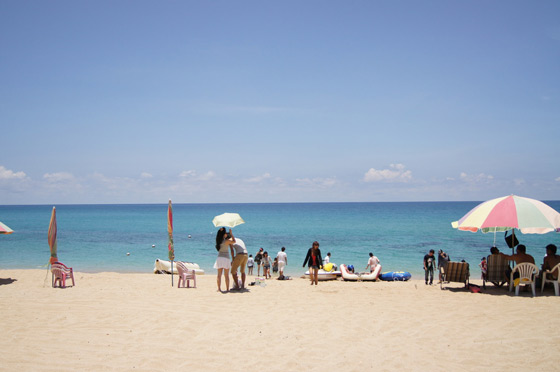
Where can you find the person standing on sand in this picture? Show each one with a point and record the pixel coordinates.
(315, 262)
(442, 260)
(429, 263)
(258, 259)
(223, 263)
(372, 262)
(282, 261)
(266, 262)
(250, 264)
(239, 254)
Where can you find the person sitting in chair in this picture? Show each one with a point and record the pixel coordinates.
(520, 257)
(550, 260)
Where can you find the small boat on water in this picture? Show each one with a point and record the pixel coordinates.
(164, 267)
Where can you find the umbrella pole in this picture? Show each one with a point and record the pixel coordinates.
(172, 273)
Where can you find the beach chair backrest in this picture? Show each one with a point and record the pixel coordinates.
(456, 271)
(526, 270)
(497, 266)
(182, 269)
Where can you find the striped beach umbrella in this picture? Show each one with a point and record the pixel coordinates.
(170, 231)
(52, 237)
(5, 229)
(529, 216)
(170, 247)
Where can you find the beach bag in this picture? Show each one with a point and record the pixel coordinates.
(511, 240)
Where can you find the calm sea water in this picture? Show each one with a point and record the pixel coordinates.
(96, 238)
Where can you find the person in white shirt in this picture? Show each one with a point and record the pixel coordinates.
(372, 262)
(282, 261)
(239, 254)
(327, 259)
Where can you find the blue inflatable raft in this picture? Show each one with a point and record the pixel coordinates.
(395, 276)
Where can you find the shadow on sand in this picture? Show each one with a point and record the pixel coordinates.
(6, 281)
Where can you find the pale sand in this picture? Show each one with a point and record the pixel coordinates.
(123, 322)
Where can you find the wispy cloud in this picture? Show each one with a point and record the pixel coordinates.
(58, 177)
(317, 182)
(193, 175)
(261, 178)
(7, 174)
(395, 173)
(476, 178)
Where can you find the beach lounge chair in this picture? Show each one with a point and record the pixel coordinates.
(455, 272)
(527, 276)
(61, 272)
(547, 277)
(496, 272)
(185, 276)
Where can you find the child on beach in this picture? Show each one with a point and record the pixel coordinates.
(275, 265)
(266, 261)
(483, 268)
(250, 264)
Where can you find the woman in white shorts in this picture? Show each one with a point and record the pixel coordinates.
(223, 262)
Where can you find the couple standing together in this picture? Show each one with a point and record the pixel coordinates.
(226, 243)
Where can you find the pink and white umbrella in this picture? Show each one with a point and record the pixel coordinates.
(530, 216)
(5, 229)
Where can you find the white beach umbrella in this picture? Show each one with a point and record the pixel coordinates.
(228, 220)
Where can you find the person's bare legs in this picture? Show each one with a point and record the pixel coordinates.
(227, 279)
(243, 276)
(316, 274)
(220, 279)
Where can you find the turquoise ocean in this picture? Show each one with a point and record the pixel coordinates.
(128, 238)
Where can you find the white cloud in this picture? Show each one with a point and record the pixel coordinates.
(557, 179)
(146, 175)
(476, 178)
(320, 182)
(7, 174)
(210, 175)
(187, 173)
(58, 177)
(396, 173)
(260, 178)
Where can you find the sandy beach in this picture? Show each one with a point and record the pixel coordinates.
(138, 322)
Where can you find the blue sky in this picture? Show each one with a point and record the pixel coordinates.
(284, 101)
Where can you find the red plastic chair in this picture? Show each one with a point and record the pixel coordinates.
(185, 276)
(59, 274)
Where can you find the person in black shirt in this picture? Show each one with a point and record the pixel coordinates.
(429, 263)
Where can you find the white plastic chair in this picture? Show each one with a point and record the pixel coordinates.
(527, 275)
(553, 281)
(185, 276)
